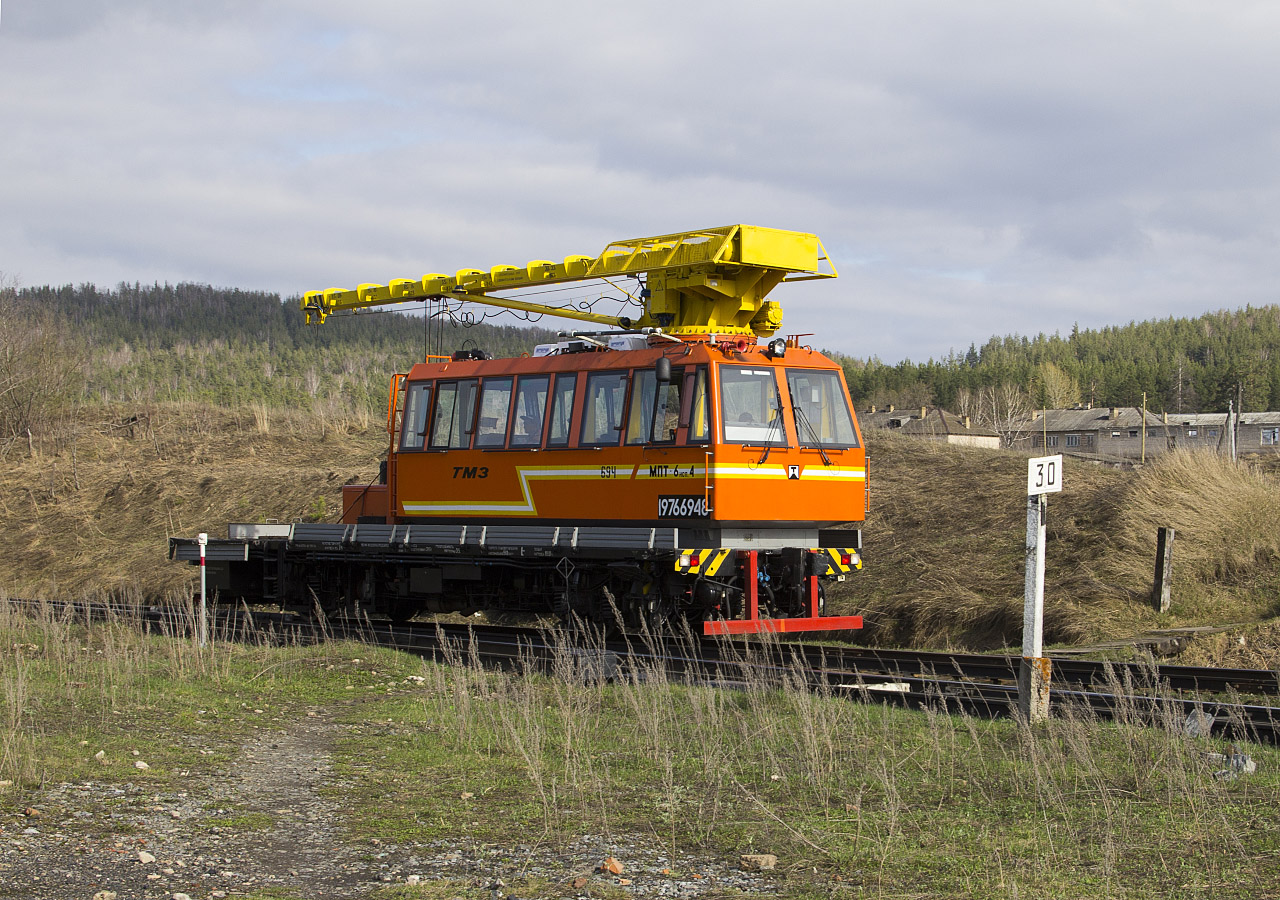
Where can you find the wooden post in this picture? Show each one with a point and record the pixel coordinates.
(1160, 593)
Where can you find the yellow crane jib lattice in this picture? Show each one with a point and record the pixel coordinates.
(696, 282)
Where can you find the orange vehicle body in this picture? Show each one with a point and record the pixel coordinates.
(745, 458)
(745, 487)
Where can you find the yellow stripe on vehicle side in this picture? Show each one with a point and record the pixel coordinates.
(522, 507)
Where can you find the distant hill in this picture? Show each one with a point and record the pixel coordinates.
(162, 316)
(205, 406)
(228, 346)
(1183, 365)
(234, 347)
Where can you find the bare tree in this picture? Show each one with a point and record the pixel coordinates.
(1003, 407)
(40, 366)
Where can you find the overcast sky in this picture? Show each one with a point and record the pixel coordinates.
(973, 168)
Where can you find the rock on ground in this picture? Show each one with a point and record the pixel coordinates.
(98, 841)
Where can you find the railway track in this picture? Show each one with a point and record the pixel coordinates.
(1079, 673)
(980, 685)
(1169, 696)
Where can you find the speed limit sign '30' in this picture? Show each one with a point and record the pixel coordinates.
(1044, 475)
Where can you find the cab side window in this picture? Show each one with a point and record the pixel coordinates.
(699, 414)
(602, 408)
(641, 417)
(453, 418)
(531, 407)
(561, 410)
(495, 405)
(413, 426)
(668, 417)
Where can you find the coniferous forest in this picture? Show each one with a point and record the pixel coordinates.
(143, 343)
(1182, 365)
(231, 347)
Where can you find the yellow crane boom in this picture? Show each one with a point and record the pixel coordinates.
(715, 280)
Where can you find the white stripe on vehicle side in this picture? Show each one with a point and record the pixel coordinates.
(852, 472)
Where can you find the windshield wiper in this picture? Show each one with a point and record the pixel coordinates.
(812, 433)
(773, 426)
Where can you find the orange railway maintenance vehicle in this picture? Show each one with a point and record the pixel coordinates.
(672, 466)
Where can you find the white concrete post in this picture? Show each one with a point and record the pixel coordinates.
(203, 539)
(1044, 476)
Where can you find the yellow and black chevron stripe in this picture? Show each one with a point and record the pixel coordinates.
(840, 560)
(702, 562)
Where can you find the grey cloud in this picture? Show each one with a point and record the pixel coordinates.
(972, 169)
(59, 19)
(1086, 231)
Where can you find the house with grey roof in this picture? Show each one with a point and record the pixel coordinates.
(1128, 433)
(932, 424)
(1256, 432)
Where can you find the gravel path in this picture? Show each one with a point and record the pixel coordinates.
(271, 826)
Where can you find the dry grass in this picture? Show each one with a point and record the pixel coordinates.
(944, 539)
(94, 513)
(1227, 544)
(1253, 646)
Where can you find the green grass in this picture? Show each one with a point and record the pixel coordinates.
(904, 803)
(854, 799)
(244, 822)
(70, 692)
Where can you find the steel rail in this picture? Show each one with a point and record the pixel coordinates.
(779, 663)
(1076, 672)
(977, 684)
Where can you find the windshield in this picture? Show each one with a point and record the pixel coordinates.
(749, 406)
(821, 409)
